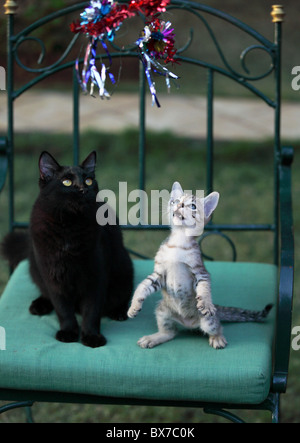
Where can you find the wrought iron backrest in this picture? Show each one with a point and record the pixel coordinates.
(241, 76)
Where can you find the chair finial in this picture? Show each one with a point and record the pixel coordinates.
(277, 13)
(10, 7)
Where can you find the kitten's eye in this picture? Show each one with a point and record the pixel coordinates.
(89, 182)
(67, 182)
(193, 207)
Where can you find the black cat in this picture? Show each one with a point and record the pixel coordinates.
(78, 265)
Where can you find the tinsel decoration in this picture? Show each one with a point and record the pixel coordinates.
(99, 21)
(103, 18)
(157, 43)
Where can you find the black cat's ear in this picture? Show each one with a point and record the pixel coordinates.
(89, 164)
(48, 165)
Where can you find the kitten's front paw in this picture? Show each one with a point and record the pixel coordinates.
(218, 342)
(134, 310)
(93, 340)
(207, 309)
(67, 336)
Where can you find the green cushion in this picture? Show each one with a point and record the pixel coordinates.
(186, 368)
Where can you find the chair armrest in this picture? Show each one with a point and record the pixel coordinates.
(3, 161)
(286, 273)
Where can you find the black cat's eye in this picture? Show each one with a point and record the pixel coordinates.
(89, 182)
(67, 182)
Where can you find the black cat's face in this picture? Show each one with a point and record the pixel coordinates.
(68, 186)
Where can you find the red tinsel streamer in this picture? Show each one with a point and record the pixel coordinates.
(118, 14)
(111, 21)
(160, 44)
(149, 8)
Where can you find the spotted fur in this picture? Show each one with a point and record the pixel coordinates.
(180, 274)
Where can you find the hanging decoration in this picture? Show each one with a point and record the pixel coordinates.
(157, 43)
(103, 18)
(99, 21)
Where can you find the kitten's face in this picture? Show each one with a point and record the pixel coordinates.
(184, 210)
(68, 186)
(189, 212)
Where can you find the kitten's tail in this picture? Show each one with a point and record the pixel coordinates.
(15, 247)
(242, 315)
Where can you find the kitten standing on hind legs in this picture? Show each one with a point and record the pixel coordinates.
(180, 274)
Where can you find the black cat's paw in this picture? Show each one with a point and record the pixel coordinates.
(41, 306)
(67, 336)
(93, 340)
(120, 315)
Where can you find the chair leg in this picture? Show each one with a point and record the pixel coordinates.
(276, 409)
(28, 412)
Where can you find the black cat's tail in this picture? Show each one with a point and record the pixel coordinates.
(242, 315)
(15, 247)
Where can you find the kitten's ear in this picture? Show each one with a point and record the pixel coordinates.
(48, 165)
(177, 191)
(89, 164)
(210, 204)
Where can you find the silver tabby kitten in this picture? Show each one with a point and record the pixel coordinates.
(181, 276)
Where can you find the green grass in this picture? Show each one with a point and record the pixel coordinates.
(243, 174)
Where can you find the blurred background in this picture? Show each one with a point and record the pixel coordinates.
(175, 149)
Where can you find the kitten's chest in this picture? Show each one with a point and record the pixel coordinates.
(179, 256)
(179, 280)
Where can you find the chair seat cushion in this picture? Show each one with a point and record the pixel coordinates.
(184, 369)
